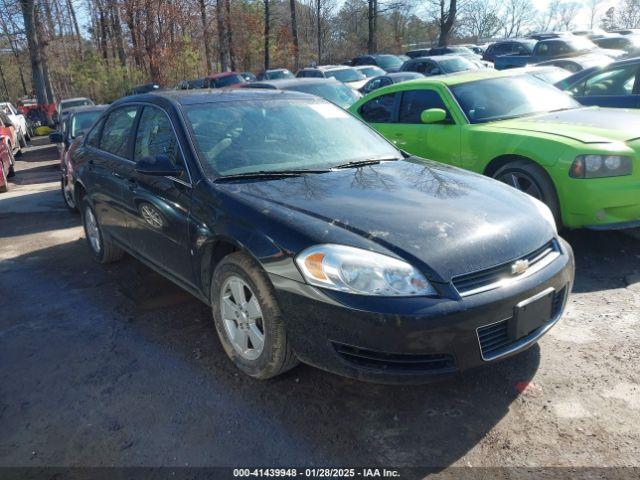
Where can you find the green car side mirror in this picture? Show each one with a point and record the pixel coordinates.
(433, 115)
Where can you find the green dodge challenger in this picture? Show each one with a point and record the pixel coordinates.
(584, 163)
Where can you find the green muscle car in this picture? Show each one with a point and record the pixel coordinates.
(584, 163)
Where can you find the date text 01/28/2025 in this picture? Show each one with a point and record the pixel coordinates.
(317, 472)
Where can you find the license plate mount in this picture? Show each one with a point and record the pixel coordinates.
(531, 314)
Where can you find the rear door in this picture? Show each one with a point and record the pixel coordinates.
(109, 149)
(158, 207)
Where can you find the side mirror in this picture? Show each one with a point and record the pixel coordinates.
(55, 137)
(433, 115)
(159, 166)
(80, 133)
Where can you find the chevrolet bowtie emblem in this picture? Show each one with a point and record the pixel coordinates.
(520, 266)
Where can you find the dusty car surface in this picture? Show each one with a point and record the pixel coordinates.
(314, 239)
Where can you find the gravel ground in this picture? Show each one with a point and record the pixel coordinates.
(114, 365)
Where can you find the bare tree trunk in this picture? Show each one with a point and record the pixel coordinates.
(28, 14)
(74, 19)
(42, 45)
(294, 34)
(229, 32)
(49, 19)
(447, 20)
(223, 51)
(4, 83)
(267, 21)
(319, 31)
(206, 35)
(116, 25)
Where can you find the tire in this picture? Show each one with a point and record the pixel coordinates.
(68, 197)
(11, 172)
(104, 250)
(21, 140)
(5, 183)
(276, 355)
(533, 180)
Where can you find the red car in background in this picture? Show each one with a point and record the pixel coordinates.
(6, 164)
(224, 79)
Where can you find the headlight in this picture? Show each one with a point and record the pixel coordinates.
(598, 166)
(546, 213)
(361, 272)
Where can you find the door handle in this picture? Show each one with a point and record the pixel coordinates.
(117, 175)
(132, 183)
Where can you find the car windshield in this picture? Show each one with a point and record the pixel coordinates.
(371, 71)
(509, 97)
(551, 75)
(278, 74)
(456, 64)
(228, 80)
(388, 61)
(82, 122)
(279, 135)
(337, 93)
(74, 103)
(581, 44)
(345, 75)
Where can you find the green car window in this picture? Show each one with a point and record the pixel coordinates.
(379, 109)
(414, 102)
(618, 81)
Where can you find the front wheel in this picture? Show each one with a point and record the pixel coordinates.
(4, 183)
(531, 179)
(12, 161)
(21, 140)
(101, 246)
(248, 319)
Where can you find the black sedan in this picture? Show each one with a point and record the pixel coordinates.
(316, 240)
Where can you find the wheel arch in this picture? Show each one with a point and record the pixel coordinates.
(500, 161)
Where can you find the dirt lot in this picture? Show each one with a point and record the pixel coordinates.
(116, 366)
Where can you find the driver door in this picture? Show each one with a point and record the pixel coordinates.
(158, 207)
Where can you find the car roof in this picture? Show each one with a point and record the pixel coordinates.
(215, 95)
(222, 75)
(465, 77)
(74, 99)
(292, 82)
(87, 108)
(435, 58)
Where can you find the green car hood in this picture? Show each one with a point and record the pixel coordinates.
(586, 125)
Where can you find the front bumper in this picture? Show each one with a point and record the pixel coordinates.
(414, 340)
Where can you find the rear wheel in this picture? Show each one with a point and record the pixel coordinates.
(101, 246)
(248, 318)
(68, 194)
(531, 179)
(4, 183)
(21, 140)
(12, 162)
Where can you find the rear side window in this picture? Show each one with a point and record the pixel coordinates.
(117, 130)
(379, 110)
(414, 102)
(155, 136)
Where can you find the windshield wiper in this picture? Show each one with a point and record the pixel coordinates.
(365, 162)
(270, 174)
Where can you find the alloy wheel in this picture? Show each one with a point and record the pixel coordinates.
(93, 231)
(68, 193)
(523, 182)
(242, 318)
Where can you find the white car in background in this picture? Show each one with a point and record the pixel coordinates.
(22, 130)
(347, 75)
(68, 103)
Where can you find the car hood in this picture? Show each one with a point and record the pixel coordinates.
(586, 125)
(357, 84)
(441, 219)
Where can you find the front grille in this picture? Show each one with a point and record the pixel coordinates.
(494, 339)
(483, 280)
(395, 362)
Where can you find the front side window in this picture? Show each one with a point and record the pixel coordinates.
(155, 136)
(414, 102)
(281, 134)
(618, 81)
(379, 110)
(93, 137)
(117, 130)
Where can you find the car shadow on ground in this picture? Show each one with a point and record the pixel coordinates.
(120, 345)
(604, 260)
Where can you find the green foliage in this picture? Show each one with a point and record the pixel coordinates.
(93, 77)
